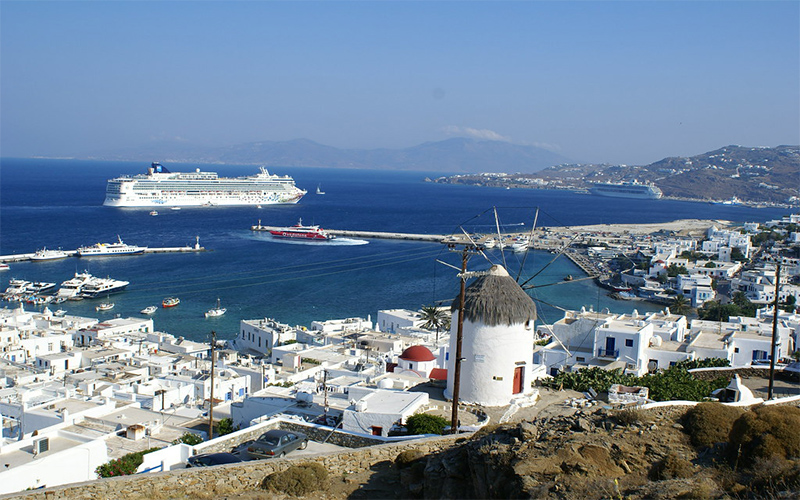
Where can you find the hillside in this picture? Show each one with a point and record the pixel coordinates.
(451, 155)
(757, 175)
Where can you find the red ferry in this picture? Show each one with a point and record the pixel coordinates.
(302, 232)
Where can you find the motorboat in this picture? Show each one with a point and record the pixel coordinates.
(60, 313)
(149, 310)
(154, 212)
(170, 302)
(319, 190)
(216, 311)
(105, 306)
(4, 266)
(45, 254)
(299, 231)
(520, 244)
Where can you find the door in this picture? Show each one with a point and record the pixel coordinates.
(611, 344)
(518, 376)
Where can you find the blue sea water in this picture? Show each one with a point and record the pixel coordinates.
(58, 203)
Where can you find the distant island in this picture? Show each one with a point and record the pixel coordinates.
(733, 174)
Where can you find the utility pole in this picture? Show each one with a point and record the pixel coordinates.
(211, 399)
(459, 338)
(774, 330)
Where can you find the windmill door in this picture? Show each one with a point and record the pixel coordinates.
(518, 372)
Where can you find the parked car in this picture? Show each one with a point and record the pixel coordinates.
(276, 443)
(209, 459)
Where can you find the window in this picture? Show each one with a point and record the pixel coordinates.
(628, 342)
(580, 359)
(735, 349)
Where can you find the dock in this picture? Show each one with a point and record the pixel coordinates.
(22, 257)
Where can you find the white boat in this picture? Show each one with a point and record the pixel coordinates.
(105, 249)
(520, 244)
(105, 306)
(631, 189)
(175, 208)
(17, 287)
(216, 311)
(320, 191)
(160, 187)
(41, 287)
(45, 254)
(4, 266)
(72, 287)
(153, 213)
(490, 243)
(102, 286)
(60, 313)
(149, 310)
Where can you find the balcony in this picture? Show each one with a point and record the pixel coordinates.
(608, 353)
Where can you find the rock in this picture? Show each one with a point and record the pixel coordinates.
(582, 425)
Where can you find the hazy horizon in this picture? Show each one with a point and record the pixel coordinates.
(614, 82)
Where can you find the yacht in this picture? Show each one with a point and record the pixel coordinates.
(216, 311)
(160, 187)
(45, 254)
(73, 286)
(17, 288)
(102, 286)
(149, 310)
(104, 249)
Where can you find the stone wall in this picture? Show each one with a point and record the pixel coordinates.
(213, 482)
(314, 432)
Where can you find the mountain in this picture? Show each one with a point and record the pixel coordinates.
(451, 155)
(751, 174)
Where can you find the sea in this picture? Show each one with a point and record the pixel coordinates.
(58, 203)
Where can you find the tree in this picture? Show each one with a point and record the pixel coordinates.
(680, 304)
(710, 265)
(673, 270)
(225, 426)
(435, 319)
(737, 255)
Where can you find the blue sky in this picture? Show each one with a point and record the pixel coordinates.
(619, 82)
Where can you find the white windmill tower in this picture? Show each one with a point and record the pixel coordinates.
(497, 341)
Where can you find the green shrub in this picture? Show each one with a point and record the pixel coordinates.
(766, 432)
(225, 426)
(189, 438)
(124, 465)
(297, 480)
(672, 467)
(424, 423)
(710, 423)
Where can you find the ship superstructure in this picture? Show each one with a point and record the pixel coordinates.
(631, 189)
(160, 187)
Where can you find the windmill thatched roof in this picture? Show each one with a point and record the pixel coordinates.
(496, 299)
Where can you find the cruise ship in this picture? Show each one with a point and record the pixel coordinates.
(633, 189)
(160, 187)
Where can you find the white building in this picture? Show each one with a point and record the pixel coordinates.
(497, 341)
(261, 335)
(377, 411)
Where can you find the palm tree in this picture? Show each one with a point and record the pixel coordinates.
(680, 304)
(434, 318)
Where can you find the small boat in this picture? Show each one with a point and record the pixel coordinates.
(105, 306)
(60, 313)
(170, 302)
(319, 191)
(4, 266)
(175, 208)
(258, 206)
(490, 243)
(568, 277)
(149, 310)
(216, 311)
(154, 212)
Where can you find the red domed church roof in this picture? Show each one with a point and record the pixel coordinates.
(417, 353)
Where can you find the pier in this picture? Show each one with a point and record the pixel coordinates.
(22, 257)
